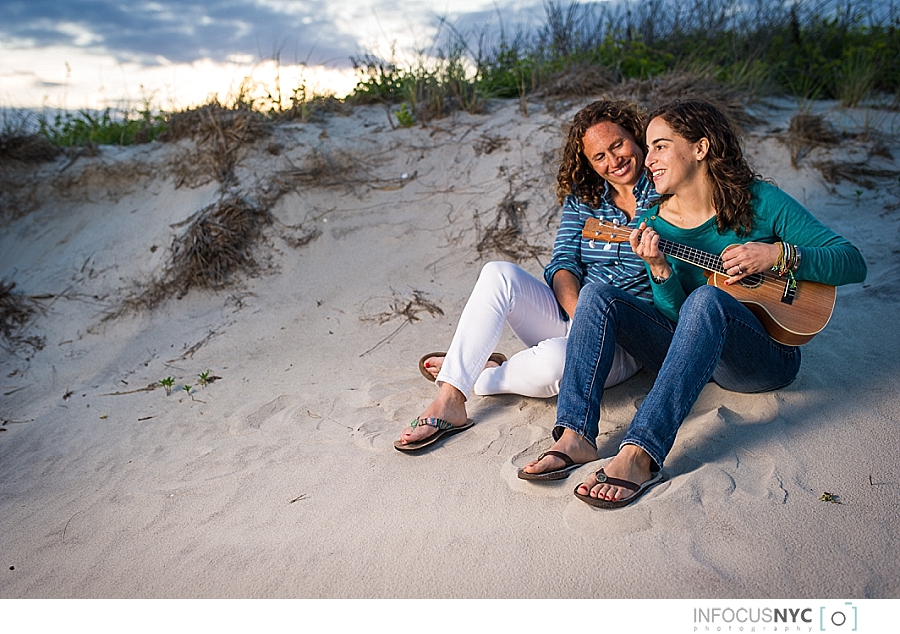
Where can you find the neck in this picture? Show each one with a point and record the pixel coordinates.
(690, 206)
(623, 198)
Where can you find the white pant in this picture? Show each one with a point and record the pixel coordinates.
(505, 293)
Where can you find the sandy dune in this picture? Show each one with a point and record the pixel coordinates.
(279, 479)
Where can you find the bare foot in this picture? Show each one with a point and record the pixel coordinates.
(571, 444)
(632, 463)
(433, 365)
(450, 405)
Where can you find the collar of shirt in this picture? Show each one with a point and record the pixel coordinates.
(644, 195)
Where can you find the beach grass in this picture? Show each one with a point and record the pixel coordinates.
(86, 128)
(810, 49)
(847, 50)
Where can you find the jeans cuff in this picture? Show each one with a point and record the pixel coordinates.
(557, 432)
(656, 461)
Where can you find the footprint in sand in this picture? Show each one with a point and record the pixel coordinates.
(286, 414)
(725, 453)
(253, 417)
(503, 424)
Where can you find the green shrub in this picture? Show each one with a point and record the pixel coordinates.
(85, 128)
(841, 49)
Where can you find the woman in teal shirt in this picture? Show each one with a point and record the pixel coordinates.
(694, 332)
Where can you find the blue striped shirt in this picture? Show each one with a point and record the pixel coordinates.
(604, 263)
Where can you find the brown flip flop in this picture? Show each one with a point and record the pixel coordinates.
(555, 474)
(443, 429)
(497, 358)
(639, 490)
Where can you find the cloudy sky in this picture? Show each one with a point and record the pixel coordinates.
(117, 53)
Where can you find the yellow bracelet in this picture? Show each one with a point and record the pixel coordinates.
(780, 261)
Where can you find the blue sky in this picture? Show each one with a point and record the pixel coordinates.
(114, 53)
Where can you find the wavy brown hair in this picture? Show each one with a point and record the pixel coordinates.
(576, 176)
(730, 175)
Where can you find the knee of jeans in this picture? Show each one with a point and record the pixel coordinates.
(595, 294)
(702, 302)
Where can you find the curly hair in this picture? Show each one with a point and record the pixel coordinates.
(576, 176)
(729, 173)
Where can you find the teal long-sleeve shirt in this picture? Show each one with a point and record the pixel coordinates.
(826, 257)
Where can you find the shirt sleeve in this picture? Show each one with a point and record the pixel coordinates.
(668, 296)
(567, 247)
(825, 256)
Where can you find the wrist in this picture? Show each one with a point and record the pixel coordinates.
(658, 276)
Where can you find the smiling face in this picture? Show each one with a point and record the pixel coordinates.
(674, 162)
(613, 154)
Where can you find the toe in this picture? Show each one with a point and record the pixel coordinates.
(433, 365)
(420, 432)
(587, 487)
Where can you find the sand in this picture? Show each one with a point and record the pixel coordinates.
(279, 478)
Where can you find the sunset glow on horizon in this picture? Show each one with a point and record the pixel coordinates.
(175, 54)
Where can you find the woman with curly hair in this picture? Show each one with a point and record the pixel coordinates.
(601, 175)
(693, 332)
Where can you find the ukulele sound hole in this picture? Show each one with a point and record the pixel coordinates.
(752, 281)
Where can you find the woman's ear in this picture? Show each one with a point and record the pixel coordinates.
(701, 149)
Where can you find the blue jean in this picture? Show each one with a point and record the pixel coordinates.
(716, 338)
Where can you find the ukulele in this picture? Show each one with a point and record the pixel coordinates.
(791, 312)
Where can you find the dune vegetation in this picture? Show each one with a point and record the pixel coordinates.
(846, 50)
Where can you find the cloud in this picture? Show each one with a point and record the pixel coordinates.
(146, 31)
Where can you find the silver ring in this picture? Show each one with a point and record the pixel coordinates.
(740, 272)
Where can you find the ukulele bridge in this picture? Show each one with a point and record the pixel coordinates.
(790, 290)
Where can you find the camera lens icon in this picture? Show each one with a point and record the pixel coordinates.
(844, 618)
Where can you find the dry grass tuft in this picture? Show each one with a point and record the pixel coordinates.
(337, 169)
(488, 143)
(217, 243)
(216, 246)
(685, 85)
(807, 131)
(578, 80)
(15, 309)
(19, 153)
(857, 174)
(16, 312)
(305, 110)
(28, 148)
(323, 169)
(219, 133)
(408, 310)
(506, 234)
(213, 120)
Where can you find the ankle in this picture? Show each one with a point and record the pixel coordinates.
(573, 439)
(636, 456)
(450, 396)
